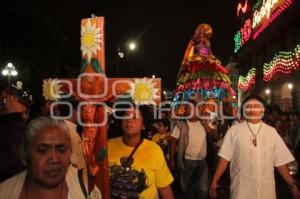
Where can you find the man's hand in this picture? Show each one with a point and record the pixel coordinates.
(222, 165)
(285, 173)
(213, 189)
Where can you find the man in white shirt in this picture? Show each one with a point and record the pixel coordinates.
(189, 138)
(253, 148)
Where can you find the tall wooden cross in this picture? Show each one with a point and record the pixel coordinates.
(93, 89)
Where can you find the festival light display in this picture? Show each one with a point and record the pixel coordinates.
(246, 31)
(243, 35)
(264, 13)
(272, 18)
(283, 62)
(201, 73)
(242, 8)
(237, 41)
(246, 82)
(256, 5)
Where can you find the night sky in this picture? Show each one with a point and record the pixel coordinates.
(162, 31)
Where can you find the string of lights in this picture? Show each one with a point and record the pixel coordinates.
(242, 8)
(264, 14)
(283, 62)
(270, 20)
(237, 41)
(256, 5)
(245, 82)
(243, 35)
(246, 31)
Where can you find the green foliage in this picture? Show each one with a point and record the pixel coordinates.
(83, 65)
(96, 65)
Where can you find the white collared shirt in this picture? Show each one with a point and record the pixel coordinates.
(252, 167)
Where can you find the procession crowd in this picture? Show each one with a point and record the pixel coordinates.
(42, 156)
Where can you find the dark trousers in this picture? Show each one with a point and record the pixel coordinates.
(194, 179)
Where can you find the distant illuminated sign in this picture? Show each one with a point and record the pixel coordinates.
(246, 31)
(243, 35)
(265, 11)
(242, 8)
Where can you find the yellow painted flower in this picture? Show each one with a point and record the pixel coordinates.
(51, 89)
(143, 91)
(91, 38)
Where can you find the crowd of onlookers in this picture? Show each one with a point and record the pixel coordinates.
(286, 123)
(16, 111)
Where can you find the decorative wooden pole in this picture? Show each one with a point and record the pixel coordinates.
(93, 89)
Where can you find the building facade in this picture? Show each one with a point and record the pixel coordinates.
(267, 48)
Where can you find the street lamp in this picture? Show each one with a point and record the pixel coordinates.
(267, 96)
(121, 54)
(132, 46)
(9, 71)
(290, 87)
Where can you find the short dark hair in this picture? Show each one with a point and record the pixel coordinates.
(255, 97)
(145, 110)
(165, 122)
